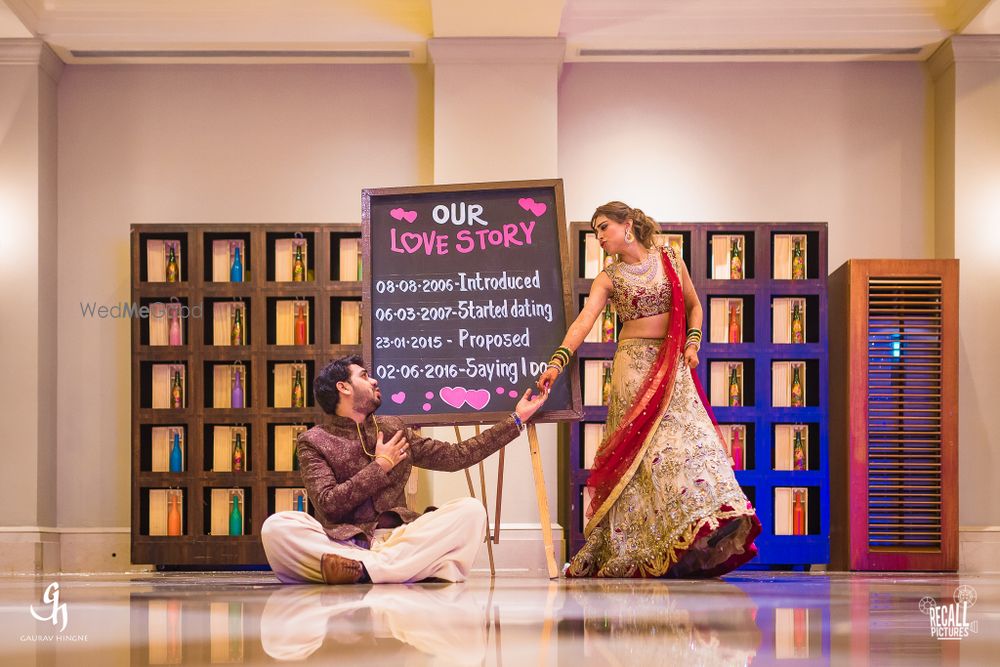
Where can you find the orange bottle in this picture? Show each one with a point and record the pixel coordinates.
(173, 516)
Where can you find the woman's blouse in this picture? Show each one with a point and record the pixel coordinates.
(641, 290)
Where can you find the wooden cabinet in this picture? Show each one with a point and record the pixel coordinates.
(894, 408)
(187, 330)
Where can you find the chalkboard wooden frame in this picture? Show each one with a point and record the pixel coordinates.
(575, 411)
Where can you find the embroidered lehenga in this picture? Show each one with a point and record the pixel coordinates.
(664, 499)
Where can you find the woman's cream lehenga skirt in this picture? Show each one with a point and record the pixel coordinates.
(682, 514)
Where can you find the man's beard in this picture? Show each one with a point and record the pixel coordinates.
(369, 406)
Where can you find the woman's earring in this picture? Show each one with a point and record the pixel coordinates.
(628, 235)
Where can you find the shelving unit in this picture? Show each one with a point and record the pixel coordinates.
(758, 290)
(266, 478)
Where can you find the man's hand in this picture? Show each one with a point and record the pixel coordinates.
(528, 405)
(388, 454)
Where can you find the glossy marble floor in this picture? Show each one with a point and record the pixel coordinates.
(249, 618)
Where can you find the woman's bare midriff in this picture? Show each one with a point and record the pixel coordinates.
(654, 326)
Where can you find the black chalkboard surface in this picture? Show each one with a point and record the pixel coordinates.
(466, 295)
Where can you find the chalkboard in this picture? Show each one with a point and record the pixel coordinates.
(465, 296)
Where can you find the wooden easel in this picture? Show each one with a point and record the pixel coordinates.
(543, 502)
(541, 496)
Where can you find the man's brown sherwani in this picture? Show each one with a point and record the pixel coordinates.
(353, 495)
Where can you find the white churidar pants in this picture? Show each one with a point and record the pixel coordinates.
(441, 544)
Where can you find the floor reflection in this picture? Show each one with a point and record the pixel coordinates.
(247, 618)
(394, 623)
(653, 622)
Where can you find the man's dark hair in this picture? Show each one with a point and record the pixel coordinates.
(325, 384)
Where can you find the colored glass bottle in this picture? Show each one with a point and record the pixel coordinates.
(238, 453)
(298, 393)
(798, 513)
(798, 261)
(300, 502)
(174, 516)
(735, 394)
(798, 331)
(606, 386)
(174, 328)
(298, 265)
(798, 452)
(235, 516)
(737, 450)
(177, 391)
(796, 398)
(176, 456)
(735, 330)
(735, 260)
(300, 325)
(237, 394)
(236, 268)
(236, 332)
(172, 265)
(608, 325)
(295, 457)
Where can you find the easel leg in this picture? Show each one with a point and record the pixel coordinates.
(543, 502)
(496, 511)
(468, 477)
(472, 493)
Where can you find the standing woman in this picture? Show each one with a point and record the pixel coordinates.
(665, 502)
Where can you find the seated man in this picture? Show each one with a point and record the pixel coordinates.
(355, 468)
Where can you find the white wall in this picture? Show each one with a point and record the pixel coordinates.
(848, 144)
(175, 144)
(977, 245)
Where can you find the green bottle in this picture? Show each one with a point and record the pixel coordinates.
(235, 517)
(298, 266)
(798, 262)
(236, 333)
(298, 392)
(172, 273)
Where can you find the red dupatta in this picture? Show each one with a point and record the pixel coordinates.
(622, 451)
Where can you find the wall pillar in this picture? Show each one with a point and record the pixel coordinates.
(496, 119)
(29, 72)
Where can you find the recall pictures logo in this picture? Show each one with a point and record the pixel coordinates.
(58, 615)
(951, 621)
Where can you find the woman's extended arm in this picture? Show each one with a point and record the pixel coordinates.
(600, 290)
(695, 315)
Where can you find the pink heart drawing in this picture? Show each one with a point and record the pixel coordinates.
(453, 396)
(529, 204)
(403, 214)
(398, 397)
(405, 239)
(478, 398)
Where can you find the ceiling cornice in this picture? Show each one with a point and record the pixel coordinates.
(492, 50)
(31, 52)
(976, 48)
